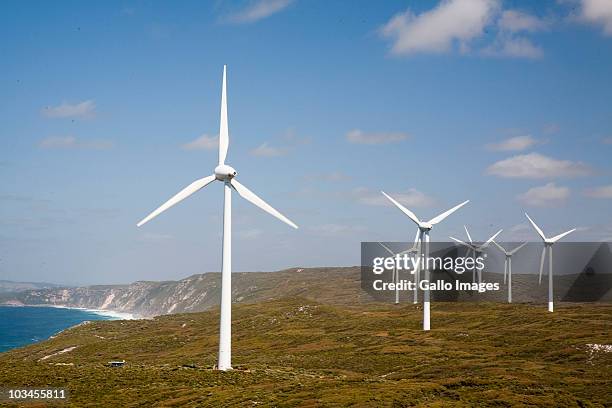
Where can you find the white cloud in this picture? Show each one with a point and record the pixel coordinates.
(516, 143)
(438, 29)
(598, 12)
(265, 150)
(514, 47)
(204, 142)
(461, 24)
(71, 142)
(291, 138)
(515, 21)
(549, 195)
(518, 233)
(537, 166)
(82, 110)
(410, 198)
(509, 42)
(599, 192)
(359, 137)
(258, 10)
(289, 142)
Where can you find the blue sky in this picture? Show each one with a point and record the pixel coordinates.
(110, 108)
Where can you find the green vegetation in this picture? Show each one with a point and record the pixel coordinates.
(300, 353)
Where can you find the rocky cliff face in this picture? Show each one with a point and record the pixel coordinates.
(335, 286)
(201, 292)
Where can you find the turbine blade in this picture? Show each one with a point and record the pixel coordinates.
(403, 209)
(515, 250)
(558, 237)
(468, 234)
(538, 230)
(542, 263)
(488, 241)
(445, 214)
(462, 242)
(415, 246)
(409, 250)
(501, 248)
(253, 198)
(180, 196)
(386, 247)
(223, 126)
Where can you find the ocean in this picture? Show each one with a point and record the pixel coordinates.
(23, 325)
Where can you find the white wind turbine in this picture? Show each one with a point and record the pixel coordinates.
(395, 276)
(424, 228)
(476, 249)
(416, 249)
(548, 243)
(508, 265)
(226, 174)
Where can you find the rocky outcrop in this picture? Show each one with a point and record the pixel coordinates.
(201, 292)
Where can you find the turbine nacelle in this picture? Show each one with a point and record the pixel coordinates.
(425, 226)
(224, 172)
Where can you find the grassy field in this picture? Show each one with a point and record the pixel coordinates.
(295, 352)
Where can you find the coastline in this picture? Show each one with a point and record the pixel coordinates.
(34, 330)
(114, 314)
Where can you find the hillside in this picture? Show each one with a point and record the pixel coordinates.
(332, 286)
(7, 286)
(201, 292)
(296, 352)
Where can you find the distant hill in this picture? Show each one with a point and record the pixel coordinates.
(332, 286)
(11, 286)
(201, 292)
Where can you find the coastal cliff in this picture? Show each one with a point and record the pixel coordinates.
(202, 292)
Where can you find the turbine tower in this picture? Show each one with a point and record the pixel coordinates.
(395, 276)
(423, 232)
(476, 249)
(225, 174)
(548, 243)
(508, 265)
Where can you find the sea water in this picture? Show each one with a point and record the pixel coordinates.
(23, 325)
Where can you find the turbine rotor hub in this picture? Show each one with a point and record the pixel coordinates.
(224, 172)
(425, 226)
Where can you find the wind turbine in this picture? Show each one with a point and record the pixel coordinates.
(225, 174)
(395, 276)
(424, 228)
(548, 243)
(508, 265)
(476, 249)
